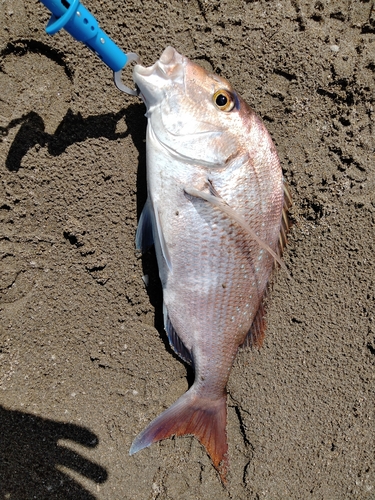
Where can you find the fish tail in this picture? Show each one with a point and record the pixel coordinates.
(206, 419)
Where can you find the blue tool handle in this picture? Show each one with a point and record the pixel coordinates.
(83, 26)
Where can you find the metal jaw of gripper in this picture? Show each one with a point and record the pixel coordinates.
(82, 25)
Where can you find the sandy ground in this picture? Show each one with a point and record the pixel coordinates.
(84, 362)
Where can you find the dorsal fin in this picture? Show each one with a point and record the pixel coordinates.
(257, 330)
(285, 220)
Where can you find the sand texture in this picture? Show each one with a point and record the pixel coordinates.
(84, 363)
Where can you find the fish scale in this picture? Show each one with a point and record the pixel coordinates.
(214, 211)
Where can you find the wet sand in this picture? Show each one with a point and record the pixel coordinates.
(84, 363)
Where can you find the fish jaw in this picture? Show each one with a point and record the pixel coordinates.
(155, 80)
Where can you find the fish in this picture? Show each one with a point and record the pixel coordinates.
(216, 215)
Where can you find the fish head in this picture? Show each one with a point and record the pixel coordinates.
(195, 115)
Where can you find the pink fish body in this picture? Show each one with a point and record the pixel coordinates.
(214, 213)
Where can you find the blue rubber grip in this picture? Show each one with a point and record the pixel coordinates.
(83, 26)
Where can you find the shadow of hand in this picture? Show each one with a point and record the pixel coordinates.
(72, 129)
(30, 457)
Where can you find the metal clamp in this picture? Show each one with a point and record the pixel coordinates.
(82, 25)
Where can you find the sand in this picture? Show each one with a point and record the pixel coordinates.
(84, 363)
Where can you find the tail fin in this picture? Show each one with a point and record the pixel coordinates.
(191, 414)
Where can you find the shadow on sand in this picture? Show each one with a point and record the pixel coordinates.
(32, 459)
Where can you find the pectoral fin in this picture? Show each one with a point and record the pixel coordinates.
(257, 331)
(219, 203)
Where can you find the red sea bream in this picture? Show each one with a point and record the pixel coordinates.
(214, 213)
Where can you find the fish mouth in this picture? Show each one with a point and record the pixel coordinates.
(170, 56)
(170, 66)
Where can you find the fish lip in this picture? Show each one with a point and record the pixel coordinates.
(168, 66)
(168, 55)
(144, 70)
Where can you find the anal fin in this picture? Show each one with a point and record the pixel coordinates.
(176, 343)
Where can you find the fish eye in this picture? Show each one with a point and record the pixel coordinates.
(223, 100)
